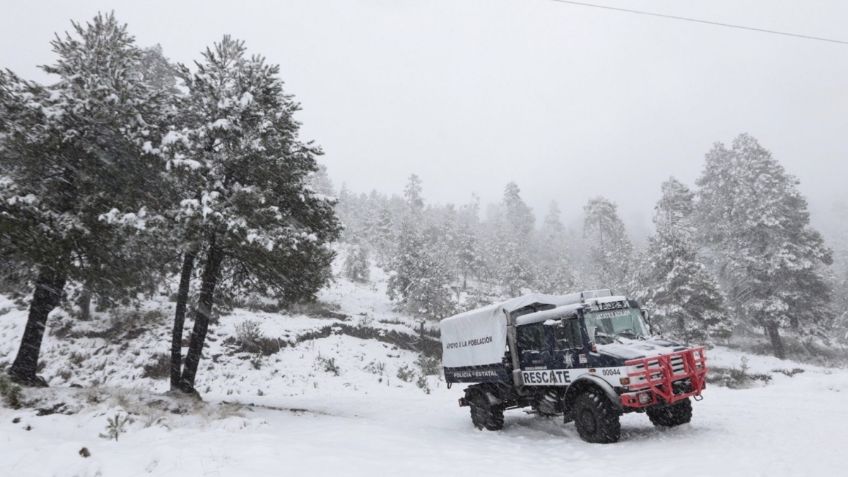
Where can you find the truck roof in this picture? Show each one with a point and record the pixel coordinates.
(564, 310)
(552, 314)
(607, 299)
(517, 303)
(513, 304)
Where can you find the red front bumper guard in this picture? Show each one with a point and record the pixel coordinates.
(657, 376)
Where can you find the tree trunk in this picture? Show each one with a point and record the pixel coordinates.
(681, 325)
(179, 318)
(84, 303)
(45, 297)
(776, 342)
(202, 315)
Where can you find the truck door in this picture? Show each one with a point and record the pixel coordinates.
(568, 343)
(531, 345)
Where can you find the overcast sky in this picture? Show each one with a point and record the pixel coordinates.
(570, 102)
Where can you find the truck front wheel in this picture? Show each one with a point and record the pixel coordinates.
(596, 418)
(486, 416)
(670, 416)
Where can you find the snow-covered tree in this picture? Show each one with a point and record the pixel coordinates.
(678, 289)
(320, 182)
(553, 273)
(610, 252)
(755, 222)
(383, 234)
(838, 240)
(159, 72)
(75, 164)
(245, 208)
(412, 193)
(509, 256)
(420, 279)
(356, 264)
(420, 267)
(469, 255)
(519, 217)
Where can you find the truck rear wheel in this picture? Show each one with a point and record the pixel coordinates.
(596, 418)
(670, 416)
(486, 416)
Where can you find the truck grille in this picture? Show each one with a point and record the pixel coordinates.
(669, 378)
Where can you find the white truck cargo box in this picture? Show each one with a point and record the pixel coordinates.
(474, 342)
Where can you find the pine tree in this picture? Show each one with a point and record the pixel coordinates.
(384, 235)
(839, 276)
(245, 208)
(345, 211)
(756, 225)
(412, 193)
(78, 176)
(684, 297)
(519, 217)
(509, 255)
(551, 255)
(434, 292)
(419, 280)
(420, 270)
(610, 252)
(157, 70)
(356, 264)
(320, 183)
(469, 256)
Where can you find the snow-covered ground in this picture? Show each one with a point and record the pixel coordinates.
(290, 413)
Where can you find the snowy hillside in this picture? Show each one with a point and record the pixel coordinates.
(126, 349)
(336, 404)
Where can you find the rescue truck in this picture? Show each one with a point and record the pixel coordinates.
(588, 356)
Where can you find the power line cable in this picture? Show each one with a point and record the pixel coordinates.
(705, 22)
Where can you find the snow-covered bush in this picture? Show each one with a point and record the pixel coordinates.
(9, 392)
(250, 339)
(737, 377)
(422, 384)
(406, 374)
(158, 367)
(329, 365)
(248, 333)
(376, 367)
(428, 365)
(115, 426)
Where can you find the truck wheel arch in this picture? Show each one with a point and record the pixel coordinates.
(488, 393)
(584, 382)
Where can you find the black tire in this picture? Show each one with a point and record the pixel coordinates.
(596, 418)
(670, 416)
(486, 416)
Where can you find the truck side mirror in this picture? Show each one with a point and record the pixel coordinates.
(647, 317)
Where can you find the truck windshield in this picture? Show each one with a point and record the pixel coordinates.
(605, 326)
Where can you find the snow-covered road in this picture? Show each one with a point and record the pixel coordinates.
(793, 426)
